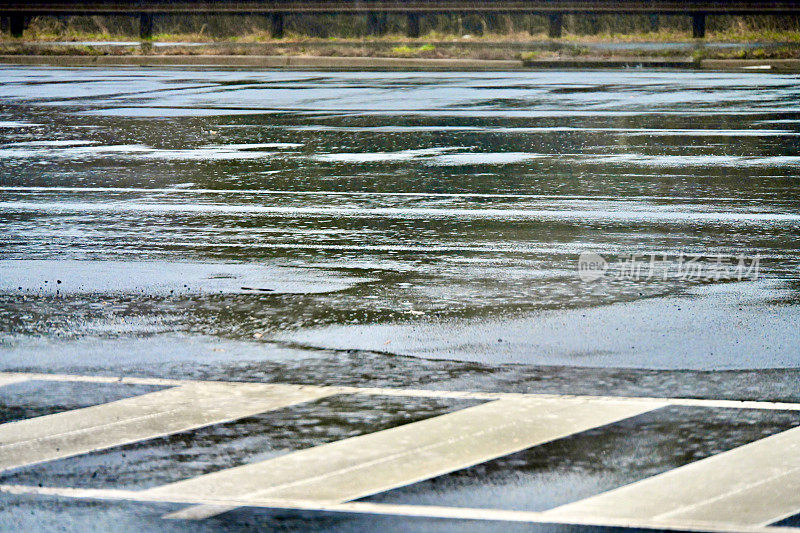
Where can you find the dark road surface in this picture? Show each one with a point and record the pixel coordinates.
(404, 230)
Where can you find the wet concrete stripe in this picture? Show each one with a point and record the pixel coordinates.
(755, 484)
(141, 417)
(428, 511)
(9, 379)
(77, 378)
(368, 464)
(429, 393)
(409, 213)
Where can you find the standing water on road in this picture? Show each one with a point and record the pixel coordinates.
(405, 229)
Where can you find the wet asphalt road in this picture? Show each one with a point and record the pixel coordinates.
(396, 229)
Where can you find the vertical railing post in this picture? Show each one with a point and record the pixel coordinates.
(383, 23)
(276, 26)
(698, 25)
(413, 25)
(554, 31)
(655, 25)
(16, 24)
(145, 26)
(593, 23)
(376, 23)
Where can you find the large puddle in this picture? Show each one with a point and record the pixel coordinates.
(403, 228)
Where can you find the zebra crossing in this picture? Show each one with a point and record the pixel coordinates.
(141, 417)
(747, 488)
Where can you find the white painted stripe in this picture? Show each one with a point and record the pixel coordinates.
(675, 215)
(429, 511)
(200, 512)
(8, 379)
(752, 485)
(761, 503)
(286, 192)
(103, 379)
(142, 417)
(740, 490)
(427, 393)
(368, 464)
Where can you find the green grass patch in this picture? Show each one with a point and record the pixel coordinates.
(413, 51)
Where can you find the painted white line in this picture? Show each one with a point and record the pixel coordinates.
(68, 492)
(428, 511)
(740, 490)
(200, 512)
(189, 406)
(409, 213)
(286, 192)
(368, 464)
(102, 379)
(530, 517)
(426, 393)
(753, 485)
(9, 379)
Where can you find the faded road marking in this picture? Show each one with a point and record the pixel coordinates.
(368, 464)
(182, 408)
(752, 485)
(427, 511)
(9, 379)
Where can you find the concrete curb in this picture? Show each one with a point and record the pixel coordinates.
(238, 61)
(392, 63)
(613, 63)
(785, 65)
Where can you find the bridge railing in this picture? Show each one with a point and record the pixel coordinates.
(19, 12)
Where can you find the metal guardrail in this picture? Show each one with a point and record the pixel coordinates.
(363, 6)
(19, 12)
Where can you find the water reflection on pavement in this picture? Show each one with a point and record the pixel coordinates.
(403, 229)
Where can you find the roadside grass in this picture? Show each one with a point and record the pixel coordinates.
(776, 52)
(518, 29)
(55, 50)
(409, 51)
(252, 36)
(440, 51)
(757, 36)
